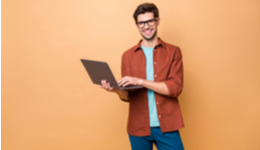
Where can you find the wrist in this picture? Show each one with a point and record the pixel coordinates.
(140, 82)
(118, 91)
(123, 94)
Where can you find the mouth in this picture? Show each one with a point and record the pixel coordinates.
(147, 31)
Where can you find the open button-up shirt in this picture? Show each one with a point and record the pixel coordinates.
(168, 69)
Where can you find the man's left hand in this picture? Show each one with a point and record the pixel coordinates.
(127, 80)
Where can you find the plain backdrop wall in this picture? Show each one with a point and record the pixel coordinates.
(49, 102)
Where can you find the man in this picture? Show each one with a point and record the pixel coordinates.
(154, 111)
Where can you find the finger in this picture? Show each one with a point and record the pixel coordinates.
(123, 82)
(104, 84)
(122, 79)
(127, 83)
(120, 82)
(109, 87)
(101, 84)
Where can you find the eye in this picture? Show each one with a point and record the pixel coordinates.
(150, 21)
(140, 23)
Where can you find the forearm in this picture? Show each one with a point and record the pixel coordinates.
(158, 87)
(123, 94)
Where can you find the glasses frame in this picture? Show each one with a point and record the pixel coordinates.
(146, 22)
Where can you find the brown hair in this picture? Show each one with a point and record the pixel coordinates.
(146, 7)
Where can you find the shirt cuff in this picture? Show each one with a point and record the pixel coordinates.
(174, 88)
(125, 100)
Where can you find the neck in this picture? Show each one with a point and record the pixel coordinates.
(151, 43)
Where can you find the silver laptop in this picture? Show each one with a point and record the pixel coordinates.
(98, 71)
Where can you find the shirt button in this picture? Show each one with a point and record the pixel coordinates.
(157, 103)
(155, 75)
(159, 116)
(154, 62)
(154, 50)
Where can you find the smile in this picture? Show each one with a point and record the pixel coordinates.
(147, 31)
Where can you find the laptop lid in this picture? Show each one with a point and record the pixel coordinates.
(98, 71)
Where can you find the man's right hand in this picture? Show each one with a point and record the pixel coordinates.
(123, 94)
(105, 85)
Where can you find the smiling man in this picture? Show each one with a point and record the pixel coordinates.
(154, 111)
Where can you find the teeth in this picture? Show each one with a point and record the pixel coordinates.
(148, 31)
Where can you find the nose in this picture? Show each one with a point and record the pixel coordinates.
(146, 25)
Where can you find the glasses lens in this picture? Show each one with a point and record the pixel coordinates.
(140, 24)
(151, 22)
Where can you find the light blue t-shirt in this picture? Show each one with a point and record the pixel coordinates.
(148, 51)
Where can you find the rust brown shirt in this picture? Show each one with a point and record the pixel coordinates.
(167, 68)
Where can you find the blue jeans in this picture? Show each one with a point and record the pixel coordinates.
(163, 141)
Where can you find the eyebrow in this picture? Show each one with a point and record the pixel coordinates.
(145, 21)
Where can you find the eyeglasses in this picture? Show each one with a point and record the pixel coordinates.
(150, 22)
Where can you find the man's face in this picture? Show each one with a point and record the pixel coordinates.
(147, 25)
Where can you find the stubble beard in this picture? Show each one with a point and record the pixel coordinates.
(151, 38)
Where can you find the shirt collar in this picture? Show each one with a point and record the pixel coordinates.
(160, 43)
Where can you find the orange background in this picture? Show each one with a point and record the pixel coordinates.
(50, 103)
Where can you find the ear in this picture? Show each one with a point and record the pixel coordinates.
(158, 21)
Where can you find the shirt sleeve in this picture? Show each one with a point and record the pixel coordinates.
(174, 81)
(123, 71)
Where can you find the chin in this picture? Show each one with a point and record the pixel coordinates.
(150, 37)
